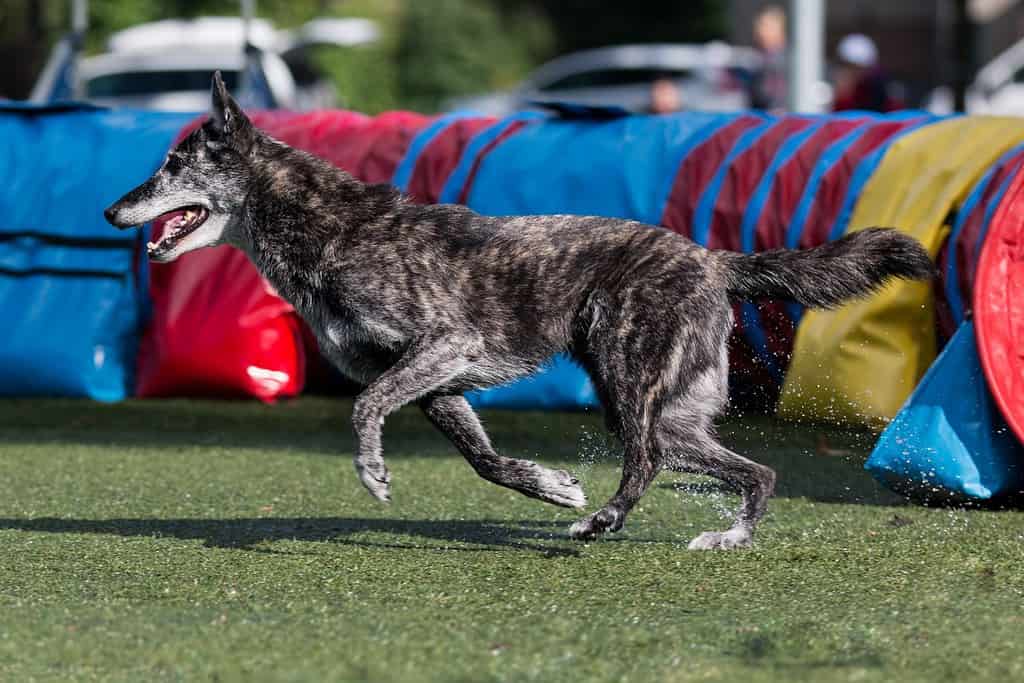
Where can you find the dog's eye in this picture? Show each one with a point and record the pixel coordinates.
(173, 164)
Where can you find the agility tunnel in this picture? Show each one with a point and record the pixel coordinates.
(741, 181)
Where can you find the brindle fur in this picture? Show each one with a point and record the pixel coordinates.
(419, 304)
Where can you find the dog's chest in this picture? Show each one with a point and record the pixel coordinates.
(360, 346)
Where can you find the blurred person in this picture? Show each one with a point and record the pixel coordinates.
(768, 85)
(666, 97)
(860, 82)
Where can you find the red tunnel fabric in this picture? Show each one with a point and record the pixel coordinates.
(968, 242)
(697, 170)
(791, 179)
(218, 328)
(742, 178)
(787, 186)
(835, 183)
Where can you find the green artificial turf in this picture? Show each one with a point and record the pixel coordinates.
(221, 541)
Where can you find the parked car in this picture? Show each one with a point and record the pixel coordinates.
(708, 77)
(168, 64)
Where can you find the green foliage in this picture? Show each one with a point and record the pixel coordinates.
(458, 47)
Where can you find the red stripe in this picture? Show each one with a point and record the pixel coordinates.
(791, 179)
(832, 191)
(440, 157)
(697, 170)
(742, 178)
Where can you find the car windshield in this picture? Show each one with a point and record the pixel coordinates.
(152, 82)
(604, 78)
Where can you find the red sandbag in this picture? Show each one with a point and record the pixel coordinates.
(218, 330)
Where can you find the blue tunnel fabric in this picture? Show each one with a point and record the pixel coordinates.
(452, 189)
(950, 442)
(619, 167)
(83, 279)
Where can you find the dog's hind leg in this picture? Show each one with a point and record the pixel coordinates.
(702, 454)
(454, 417)
(685, 439)
(428, 363)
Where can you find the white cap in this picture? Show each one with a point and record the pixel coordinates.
(858, 49)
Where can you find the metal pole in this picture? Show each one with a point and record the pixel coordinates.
(963, 54)
(806, 64)
(248, 10)
(80, 16)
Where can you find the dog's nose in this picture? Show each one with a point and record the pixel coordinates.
(110, 214)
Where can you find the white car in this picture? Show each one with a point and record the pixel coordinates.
(621, 76)
(168, 64)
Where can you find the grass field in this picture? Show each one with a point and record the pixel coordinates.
(231, 541)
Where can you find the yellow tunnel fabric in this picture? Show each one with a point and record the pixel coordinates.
(858, 364)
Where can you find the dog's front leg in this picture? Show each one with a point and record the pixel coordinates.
(454, 417)
(428, 363)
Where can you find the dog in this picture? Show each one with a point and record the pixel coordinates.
(421, 303)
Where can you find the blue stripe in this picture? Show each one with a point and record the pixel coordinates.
(403, 173)
(865, 169)
(706, 204)
(457, 180)
(748, 227)
(829, 158)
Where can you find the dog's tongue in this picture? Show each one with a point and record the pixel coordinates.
(170, 220)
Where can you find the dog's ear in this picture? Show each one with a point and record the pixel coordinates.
(227, 120)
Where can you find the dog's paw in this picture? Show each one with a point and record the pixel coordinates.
(558, 487)
(376, 478)
(737, 537)
(592, 526)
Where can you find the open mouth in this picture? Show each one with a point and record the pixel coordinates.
(176, 225)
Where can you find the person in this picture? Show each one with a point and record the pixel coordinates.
(767, 87)
(665, 96)
(860, 81)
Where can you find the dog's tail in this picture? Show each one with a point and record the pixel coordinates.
(828, 275)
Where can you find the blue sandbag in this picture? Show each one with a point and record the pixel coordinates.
(72, 293)
(949, 442)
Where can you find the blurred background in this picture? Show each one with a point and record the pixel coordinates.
(495, 56)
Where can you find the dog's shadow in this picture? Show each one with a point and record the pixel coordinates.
(484, 535)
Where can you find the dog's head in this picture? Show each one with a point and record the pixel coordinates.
(200, 189)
